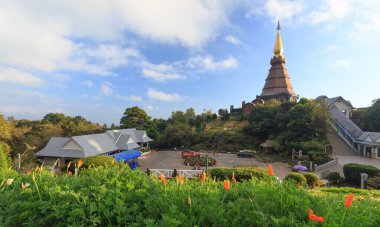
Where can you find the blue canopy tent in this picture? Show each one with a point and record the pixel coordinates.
(128, 155)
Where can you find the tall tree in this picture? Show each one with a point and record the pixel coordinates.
(134, 117)
(372, 117)
(5, 131)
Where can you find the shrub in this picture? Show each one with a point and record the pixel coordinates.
(202, 161)
(375, 180)
(318, 157)
(297, 177)
(311, 179)
(312, 145)
(241, 173)
(3, 161)
(352, 171)
(95, 161)
(334, 177)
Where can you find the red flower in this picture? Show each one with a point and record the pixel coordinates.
(270, 170)
(314, 217)
(180, 180)
(203, 177)
(163, 180)
(233, 177)
(349, 199)
(69, 172)
(189, 200)
(227, 184)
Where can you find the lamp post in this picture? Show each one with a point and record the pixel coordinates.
(19, 162)
(207, 164)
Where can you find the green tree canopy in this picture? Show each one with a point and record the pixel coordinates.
(134, 117)
(372, 117)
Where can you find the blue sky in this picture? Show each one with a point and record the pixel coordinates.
(96, 58)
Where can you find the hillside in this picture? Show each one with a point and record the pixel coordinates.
(226, 136)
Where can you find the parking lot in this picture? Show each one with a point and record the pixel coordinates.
(173, 160)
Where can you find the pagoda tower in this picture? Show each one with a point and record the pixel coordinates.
(277, 85)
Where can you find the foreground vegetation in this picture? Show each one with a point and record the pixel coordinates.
(118, 196)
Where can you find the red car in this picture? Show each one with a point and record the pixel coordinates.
(190, 154)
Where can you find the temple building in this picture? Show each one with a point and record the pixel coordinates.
(277, 85)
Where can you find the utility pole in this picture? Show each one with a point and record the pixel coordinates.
(19, 162)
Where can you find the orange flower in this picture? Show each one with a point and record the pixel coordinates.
(314, 217)
(203, 177)
(80, 163)
(233, 177)
(349, 199)
(227, 184)
(320, 183)
(189, 200)
(163, 180)
(270, 170)
(180, 180)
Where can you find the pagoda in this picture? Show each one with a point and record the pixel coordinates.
(277, 85)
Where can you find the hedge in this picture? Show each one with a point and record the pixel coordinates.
(352, 171)
(94, 161)
(297, 177)
(311, 179)
(241, 173)
(318, 158)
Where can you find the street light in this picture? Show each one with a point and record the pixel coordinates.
(207, 164)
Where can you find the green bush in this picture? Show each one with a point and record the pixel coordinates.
(318, 158)
(241, 173)
(113, 196)
(297, 177)
(311, 179)
(352, 171)
(94, 161)
(3, 162)
(375, 180)
(312, 145)
(334, 177)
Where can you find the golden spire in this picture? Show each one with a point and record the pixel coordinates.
(278, 50)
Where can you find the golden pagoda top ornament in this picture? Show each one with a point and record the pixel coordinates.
(278, 50)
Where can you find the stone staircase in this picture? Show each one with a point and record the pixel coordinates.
(339, 146)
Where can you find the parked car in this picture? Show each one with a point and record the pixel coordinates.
(245, 155)
(190, 154)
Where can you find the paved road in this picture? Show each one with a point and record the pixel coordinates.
(173, 160)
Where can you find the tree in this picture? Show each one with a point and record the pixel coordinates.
(224, 115)
(3, 161)
(134, 117)
(5, 131)
(372, 117)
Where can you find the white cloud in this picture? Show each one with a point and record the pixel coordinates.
(331, 47)
(329, 9)
(342, 64)
(88, 83)
(11, 75)
(112, 55)
(106, 89)
(161, 77)
(232, 39)
(132, 98)
(207, 63)
(154, 94)
(283, 9)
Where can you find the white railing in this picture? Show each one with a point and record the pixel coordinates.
(168, 173)
(326, 165)
(190, 173)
